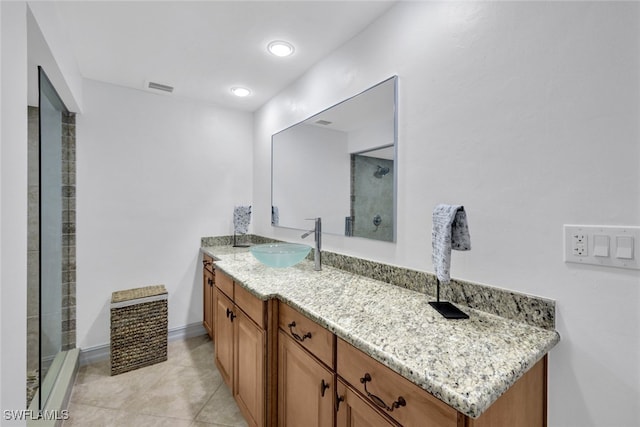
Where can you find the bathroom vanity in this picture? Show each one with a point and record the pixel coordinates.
(331, 348)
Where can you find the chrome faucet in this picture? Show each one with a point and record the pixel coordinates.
(317, 230)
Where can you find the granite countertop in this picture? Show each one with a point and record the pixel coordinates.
(467, 364)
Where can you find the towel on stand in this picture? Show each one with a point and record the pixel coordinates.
(450, 231)
(241, 219)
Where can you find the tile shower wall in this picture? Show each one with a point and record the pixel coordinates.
(68, 231)
(68, 308)
(372, 197)
(33, 294)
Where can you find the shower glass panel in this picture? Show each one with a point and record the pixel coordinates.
(51, 110)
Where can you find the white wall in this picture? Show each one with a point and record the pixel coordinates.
(13, 207)
(49, 47)
(375, 135)
(154, 175)
(319, 155)
(526, 113)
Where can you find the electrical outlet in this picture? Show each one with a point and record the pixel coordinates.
(580, 244)
(603, 245)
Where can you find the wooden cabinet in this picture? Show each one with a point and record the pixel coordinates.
(306, 371)
(307, 333)
(353, 411)
(208, 297)
(249, 369)
(523, 405)
(305, 387)
(286, 370)
(225, 315)
(394, 395)
(240, 347)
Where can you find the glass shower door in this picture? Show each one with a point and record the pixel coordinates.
(51, 110)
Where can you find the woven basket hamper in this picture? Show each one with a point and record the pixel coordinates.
(139, 320)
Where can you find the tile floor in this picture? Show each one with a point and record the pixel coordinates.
(184, 391)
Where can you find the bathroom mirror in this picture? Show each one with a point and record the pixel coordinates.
(340, 165)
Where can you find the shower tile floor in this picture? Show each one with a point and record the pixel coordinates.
(185, 391)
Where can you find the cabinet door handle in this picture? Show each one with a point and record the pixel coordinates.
(395, 405)
(323, 387)
(296, 336)
(338, 400)
(230, 314)
(210, 281)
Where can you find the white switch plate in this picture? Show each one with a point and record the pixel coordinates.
(580, 240)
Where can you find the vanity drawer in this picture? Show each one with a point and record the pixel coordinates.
(310, 335)
(225, 284)
(251, 305)
(385, 387)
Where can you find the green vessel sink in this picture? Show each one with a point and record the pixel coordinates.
(280, 255)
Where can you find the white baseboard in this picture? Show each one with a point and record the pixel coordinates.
(102, 352)
(187, 331)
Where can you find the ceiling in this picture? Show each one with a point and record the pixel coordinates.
(204, 48)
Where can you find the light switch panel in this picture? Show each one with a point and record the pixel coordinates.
(602, 245)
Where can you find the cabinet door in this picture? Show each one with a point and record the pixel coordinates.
(305, 387)
(353, 411)
(208, 301)
(249, 370)
(224, 336)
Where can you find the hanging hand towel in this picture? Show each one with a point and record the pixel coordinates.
(241, 219)
(450, 231)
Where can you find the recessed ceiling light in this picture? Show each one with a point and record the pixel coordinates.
(280, 48)
(240, 91)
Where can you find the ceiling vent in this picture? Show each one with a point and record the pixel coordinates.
(323, 122)
(159, 87)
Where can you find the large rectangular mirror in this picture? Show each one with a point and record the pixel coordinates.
(340, 165)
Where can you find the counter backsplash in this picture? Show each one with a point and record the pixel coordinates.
(532, 310)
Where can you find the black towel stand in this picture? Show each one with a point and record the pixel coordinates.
(236, 245)
(448, 310)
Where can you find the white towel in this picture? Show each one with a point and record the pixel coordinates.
(241, 219)
(450, 231)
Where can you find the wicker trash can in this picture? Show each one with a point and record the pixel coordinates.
(138, 328)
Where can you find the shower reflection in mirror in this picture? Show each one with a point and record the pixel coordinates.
(372, 194)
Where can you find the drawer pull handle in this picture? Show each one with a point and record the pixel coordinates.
(395, 405)
(323, 387)
(230, 314)
(296, 336)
